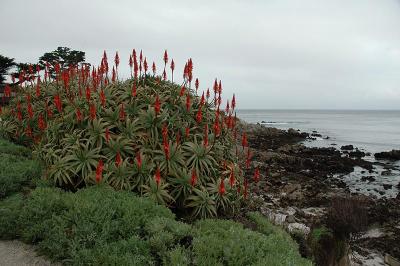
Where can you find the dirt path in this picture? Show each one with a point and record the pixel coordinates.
(16, 253)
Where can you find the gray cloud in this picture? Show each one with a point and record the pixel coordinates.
(272, 54)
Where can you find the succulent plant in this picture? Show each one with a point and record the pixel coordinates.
(144, 134)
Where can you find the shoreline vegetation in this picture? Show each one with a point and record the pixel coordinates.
(148, 172)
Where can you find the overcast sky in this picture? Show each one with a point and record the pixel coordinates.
(271, 53)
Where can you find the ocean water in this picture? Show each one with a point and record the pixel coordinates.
(369, 130)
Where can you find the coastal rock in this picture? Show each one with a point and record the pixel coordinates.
(387, 186)
(368, 178)
(357, 153)
(347, 147)
(388, 155)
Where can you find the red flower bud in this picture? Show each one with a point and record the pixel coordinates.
(41, 123)
(221, 189)
(165, 57)
(99, 171)
(154, 68)
(139, 160)
(157, 176)
(193, 179)
(107, 133)
(92, 110)
(102, 98)
(118, 159)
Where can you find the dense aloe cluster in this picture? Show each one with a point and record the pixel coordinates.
(144, 134)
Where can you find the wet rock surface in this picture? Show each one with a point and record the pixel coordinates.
(298, 184)
(389, 155)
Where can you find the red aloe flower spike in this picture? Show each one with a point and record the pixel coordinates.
(215, 88)
(221, 189)
(116, 60)
(30, 110)
(118, 159)
(164, 75)
(41, 123)
(107, 133)
(122, 113)
(233, 103)
(193, 179)
(165, 57)
(38, 87)
(130, 63)
(256, 175)
(92, 110)
(138, 160)
(166, 150)
(205, 141)
(88, 93)
(187, 102)
(196, 84)
(57, 102)
(78, 115)
(199, 115)
(202, 100)
(208, 94)
(154, 68)
(227, 107)
(157, 105)
(220, 87)
(12, 78)
(244, 140)
(182, 91)
(102, 98)
(187, 129)
(114, 75)
(217, 128)
(99, 171)
(232, 178)
(172, 69)
(1, 110)
(19, 116)
(145, 66)
(157, 176)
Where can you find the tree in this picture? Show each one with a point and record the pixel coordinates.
(5, 64)
(62, 55)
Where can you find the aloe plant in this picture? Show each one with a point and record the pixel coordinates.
(134, 127)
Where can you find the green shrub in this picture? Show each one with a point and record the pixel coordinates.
(100, 226)
(16, 172)
(11, 148)
(219, 242)
(10, 209)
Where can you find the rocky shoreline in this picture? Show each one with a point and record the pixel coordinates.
(299, 183)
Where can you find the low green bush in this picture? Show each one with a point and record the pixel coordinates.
(100, 226)
(16, 172)
(219, 242)
(10, 209)
(11, 148)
